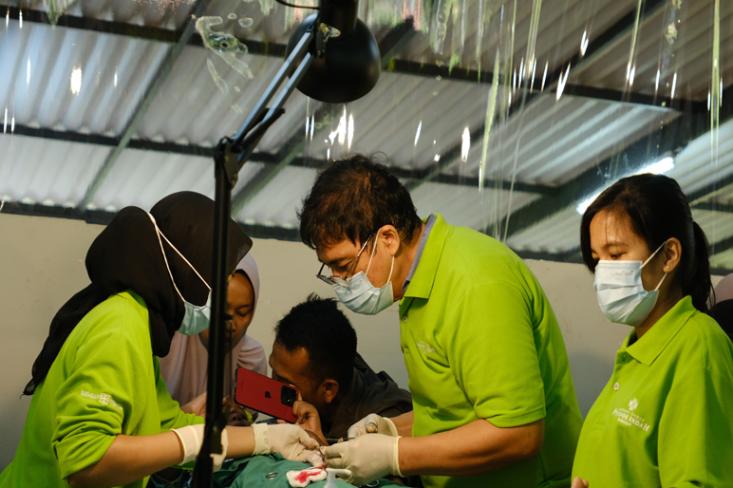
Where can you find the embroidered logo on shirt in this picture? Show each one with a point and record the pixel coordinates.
(425, 347)
(103, 398)
(629, 418)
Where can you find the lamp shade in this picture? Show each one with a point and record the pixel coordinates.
(348, 68)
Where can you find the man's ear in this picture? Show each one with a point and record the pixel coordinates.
(328, 390)
(389, 237)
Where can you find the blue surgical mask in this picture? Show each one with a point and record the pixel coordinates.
(195, 317)
(359, 295)
(621, 293)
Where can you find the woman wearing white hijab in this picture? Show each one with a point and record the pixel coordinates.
(185, 366)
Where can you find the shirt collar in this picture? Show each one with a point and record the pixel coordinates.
(647, 348)
(420, 280)
(420, 247)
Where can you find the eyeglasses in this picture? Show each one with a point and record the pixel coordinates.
(332, 280)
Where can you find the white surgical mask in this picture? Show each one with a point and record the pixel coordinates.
(195, 317)
(359, 295)
(621, 293)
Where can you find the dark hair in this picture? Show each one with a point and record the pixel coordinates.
(658, 210)
(353, 198)
(324, 331)
(722, 312)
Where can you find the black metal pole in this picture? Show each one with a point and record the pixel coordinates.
(230, 155)
(215, 420)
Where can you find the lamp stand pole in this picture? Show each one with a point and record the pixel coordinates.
(230, 156)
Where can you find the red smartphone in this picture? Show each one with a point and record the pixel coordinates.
(262, 393)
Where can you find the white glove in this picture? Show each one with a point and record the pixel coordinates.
(372, 424)
(191, 438)
(365, 458)
(290, 441)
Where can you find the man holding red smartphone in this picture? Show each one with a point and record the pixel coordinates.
(315, 350)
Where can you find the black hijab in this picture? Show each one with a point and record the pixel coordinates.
(127, 256)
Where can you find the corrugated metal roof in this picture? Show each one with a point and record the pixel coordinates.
(85, 84)
(469, 206)
(556, 234)
(675, 41)
(70, 79)
(554, 140)
(51, 172)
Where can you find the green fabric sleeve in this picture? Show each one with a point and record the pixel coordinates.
(695, 445)
(98, 393)
(493, 354)
(171, 415)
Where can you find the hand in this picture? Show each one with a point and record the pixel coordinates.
(197, 406)
(236, 414)
(372, 424)
(308, 418)
(579, 483)
(290, 441)
(365, 459)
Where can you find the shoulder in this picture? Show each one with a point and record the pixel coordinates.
(704, 339)
(121, 316)
(470, 252)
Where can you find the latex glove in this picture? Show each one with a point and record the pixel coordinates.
(288, 440)
(372, 424)
(365, 459)
(191, 438)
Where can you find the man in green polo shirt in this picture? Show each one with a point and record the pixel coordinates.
(493, 399)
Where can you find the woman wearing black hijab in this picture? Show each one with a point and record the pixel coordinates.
(101, 414)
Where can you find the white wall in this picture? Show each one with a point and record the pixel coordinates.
(42, 264)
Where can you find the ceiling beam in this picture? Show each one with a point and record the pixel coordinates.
(701, 194)
(713, 206)
(257, 157)
(144, 103)
(722, 246)
(607, 37)
(148, 33)
(104, 217)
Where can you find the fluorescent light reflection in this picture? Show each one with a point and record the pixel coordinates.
(75, 80)
(584, 43)
(417, 133)
(350, 132)
(465, 144)
(659, 167)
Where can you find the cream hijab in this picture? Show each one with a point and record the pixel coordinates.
(185, 367)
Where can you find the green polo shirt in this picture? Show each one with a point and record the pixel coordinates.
(480, 341)
(104, 382)
(664, 418)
